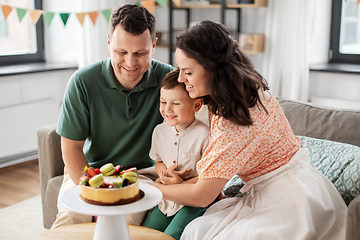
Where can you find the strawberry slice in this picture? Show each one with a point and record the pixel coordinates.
(105, 185)
(133, 169)
(117, 170)
(84, 180)
(97, 171)
(90, 171)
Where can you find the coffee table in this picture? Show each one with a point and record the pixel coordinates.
(111, 221)
(85, 231)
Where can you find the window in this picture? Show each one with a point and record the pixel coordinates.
(345, 32)
(21, 41)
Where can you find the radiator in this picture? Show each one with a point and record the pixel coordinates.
(336, 103)
(19, 126)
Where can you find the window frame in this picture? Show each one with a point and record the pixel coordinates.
(39, 55)
(335, 56)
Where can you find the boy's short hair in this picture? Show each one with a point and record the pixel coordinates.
(133, 19)
(170, 80)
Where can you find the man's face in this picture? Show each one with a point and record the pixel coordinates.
(130, 55)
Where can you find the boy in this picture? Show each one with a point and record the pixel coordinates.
(179, 142)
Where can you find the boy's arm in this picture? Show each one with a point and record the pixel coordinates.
(160, 167)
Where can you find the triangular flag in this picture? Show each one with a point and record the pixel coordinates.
(35, 15)
(64, 17)
(93, 16)
(48, 17)
(164, 3)
(21, 13)
(149, 5)
(80, 17)
(6, 10)
(107, 14)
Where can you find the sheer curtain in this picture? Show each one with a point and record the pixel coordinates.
(93, 38)
(289, 32)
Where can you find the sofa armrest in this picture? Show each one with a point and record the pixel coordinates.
(353, 220)
(50, 158)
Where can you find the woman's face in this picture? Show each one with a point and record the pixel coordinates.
(193, 75)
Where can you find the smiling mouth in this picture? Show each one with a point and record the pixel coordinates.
(189, 87)
(170, 117)
(130, 70)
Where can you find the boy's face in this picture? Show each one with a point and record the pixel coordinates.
(177, 108)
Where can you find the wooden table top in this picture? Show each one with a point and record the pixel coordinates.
(86, 231)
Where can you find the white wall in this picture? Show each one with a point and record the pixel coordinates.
(65, 43)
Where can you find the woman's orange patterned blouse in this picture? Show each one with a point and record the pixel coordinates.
(249, 151)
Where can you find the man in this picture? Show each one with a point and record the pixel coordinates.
(111, 107)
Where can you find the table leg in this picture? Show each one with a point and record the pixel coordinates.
(111, 228)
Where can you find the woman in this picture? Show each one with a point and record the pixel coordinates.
(251, 137)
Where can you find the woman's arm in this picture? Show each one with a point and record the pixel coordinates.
(199, 194)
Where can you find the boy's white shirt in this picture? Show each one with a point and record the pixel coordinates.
(185, 148)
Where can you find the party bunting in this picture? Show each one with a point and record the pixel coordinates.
(164, 3)
(107, 14)
(35, 15)
(6, 10)
(21, 13)
(93, 16)
(149, 5)
(48, 16)
(80, 17)
(64, 17)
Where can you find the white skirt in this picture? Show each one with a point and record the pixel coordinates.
(295, 201)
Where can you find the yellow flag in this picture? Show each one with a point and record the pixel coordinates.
(149, 5)
(35, 15)
(80, 17)
(177, 2)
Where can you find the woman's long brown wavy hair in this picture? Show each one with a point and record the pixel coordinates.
(235, 82)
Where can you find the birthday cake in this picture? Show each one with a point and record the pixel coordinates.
(109, 185)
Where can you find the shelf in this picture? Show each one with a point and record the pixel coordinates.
(252, 43)
(257, 3)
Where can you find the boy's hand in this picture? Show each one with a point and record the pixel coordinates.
(170, 176)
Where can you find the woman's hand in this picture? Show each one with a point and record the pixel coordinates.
(185, 174)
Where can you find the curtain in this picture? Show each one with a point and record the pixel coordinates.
(289, 31)
(93, 38)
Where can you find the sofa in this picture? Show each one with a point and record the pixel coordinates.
(331, 135)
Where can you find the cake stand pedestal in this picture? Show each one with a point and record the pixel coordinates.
(111, 222)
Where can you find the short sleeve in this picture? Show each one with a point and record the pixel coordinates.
(154, 154)
(74, 114)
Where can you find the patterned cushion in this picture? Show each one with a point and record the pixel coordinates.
(339, 162)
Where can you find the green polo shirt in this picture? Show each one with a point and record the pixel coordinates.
(115, 123)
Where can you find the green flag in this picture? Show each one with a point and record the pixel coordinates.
(64, 17)
(107, 14)
(48, 16)
(21, 13)
(163, 3)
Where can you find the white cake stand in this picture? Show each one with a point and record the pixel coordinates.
(111, 222)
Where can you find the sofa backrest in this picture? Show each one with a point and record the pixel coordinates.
(322, 122)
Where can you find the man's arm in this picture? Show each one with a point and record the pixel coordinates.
(73, 157)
